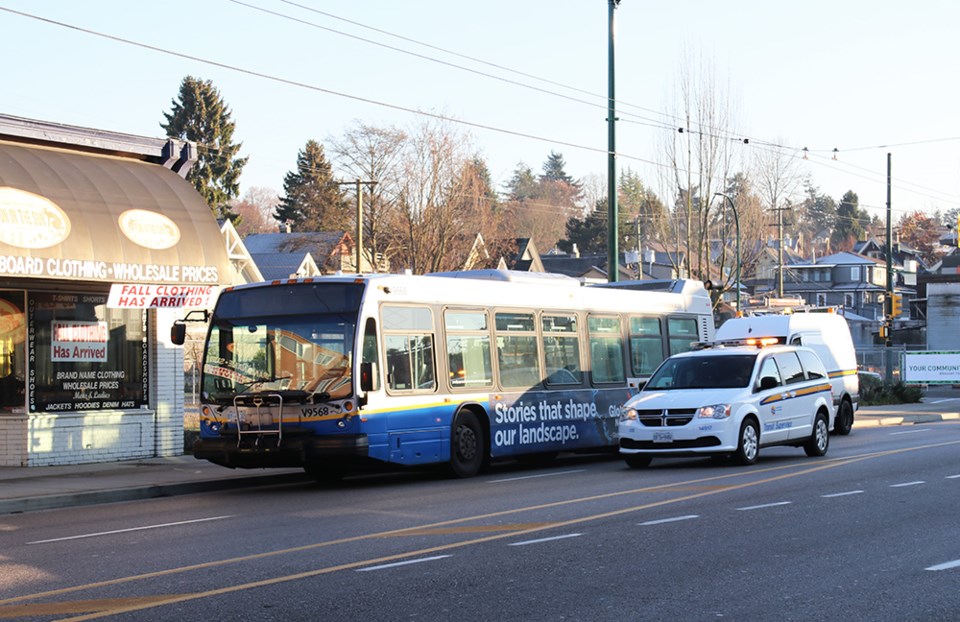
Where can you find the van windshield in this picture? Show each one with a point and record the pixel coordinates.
(732, 371)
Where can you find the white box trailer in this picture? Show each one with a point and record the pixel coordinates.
(827, 334)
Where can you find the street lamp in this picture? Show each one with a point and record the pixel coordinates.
(736, 222)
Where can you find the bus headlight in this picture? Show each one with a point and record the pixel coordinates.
(716, 411)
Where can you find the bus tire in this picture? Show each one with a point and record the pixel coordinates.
(467, 447)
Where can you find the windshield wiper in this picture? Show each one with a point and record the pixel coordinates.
(257, 383)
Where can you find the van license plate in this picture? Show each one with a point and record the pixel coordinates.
(663, 437)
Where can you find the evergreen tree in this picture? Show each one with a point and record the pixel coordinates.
(851, 222)
(523, 185)
(312, 200)
(553, 170)
(636, 199)
(201, 116)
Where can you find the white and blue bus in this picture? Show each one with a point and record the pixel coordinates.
(455, 368)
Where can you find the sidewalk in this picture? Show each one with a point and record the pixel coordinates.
(26, 489)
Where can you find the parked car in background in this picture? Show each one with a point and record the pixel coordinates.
(729, 400)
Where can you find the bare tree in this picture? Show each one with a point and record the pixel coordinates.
(698, 160)
(778, 179)
(255, 210)
(373, 154)
(433, 162)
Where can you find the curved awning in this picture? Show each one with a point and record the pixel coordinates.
(82, 216)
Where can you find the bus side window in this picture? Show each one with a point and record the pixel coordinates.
(682, 334)
(408, 340)
(561, 349)
(606, 349)
(646, 344)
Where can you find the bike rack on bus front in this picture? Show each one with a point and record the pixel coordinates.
(258, 401)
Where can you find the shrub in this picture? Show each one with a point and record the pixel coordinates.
(874, 392)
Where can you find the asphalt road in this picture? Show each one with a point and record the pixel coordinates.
(867, 533)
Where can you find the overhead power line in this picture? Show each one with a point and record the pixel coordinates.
(319, 89)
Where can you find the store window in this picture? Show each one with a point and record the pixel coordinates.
(13, 354)
(85, 356)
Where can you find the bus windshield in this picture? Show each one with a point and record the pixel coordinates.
(297, 339)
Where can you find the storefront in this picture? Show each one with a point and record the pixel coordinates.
(103, 243)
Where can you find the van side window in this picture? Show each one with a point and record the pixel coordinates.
(790, 368)
(768, 369)
(812, 364)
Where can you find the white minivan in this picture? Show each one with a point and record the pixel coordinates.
(827, 334)
(729, 401)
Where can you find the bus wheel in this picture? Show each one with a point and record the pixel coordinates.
(466, 447)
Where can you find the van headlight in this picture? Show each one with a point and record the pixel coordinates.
(628, 414)
(716, 411)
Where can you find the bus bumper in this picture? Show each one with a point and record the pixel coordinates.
(260, 452)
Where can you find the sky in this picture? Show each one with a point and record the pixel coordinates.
(862, 77)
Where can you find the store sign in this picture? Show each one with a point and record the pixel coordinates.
(89, 270)
(149, 229)
(137, 296)
(28, 220)
(78, 342)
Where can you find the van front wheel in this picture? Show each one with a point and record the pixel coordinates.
(844, 421)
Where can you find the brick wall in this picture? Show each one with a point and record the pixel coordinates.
(13, 440)
(166, 384)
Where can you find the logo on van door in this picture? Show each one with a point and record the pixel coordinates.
(28, 220)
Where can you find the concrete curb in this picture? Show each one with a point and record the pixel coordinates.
(875, 421)
(95, 497)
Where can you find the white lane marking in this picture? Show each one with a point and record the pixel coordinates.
(949, 399)
(109, 533)
(953, 476)
(404, 563)
(905, 484)
(909, 432)
(765, 505)
(668, 520)
(514, 479)
(842, 494)
(945, 566)
(539, 540)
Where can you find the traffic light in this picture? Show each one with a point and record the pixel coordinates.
(896, 305)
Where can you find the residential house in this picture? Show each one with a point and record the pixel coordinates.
(285, 255)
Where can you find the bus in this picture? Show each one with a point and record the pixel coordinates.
(460, 368)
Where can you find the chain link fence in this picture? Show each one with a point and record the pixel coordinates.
(877, 359)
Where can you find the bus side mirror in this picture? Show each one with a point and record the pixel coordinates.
(368, 371)
(178, 333)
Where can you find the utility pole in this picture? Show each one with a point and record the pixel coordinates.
(359, 241)
(888, 303)
(613, 253)
(779, 226)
